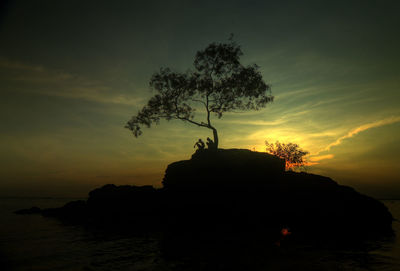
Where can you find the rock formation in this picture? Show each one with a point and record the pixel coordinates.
(238, 192)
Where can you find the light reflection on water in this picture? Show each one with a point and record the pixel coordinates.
(33, 242)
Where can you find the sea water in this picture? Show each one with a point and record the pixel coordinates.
(33, 242)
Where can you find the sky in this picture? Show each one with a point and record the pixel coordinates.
(73, 73)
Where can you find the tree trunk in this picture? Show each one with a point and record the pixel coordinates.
(215, 133)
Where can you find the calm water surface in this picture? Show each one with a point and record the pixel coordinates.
(32, 242)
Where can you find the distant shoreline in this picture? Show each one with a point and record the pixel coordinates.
(35, 197)
(84, 198)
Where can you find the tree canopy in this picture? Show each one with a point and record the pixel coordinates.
(291, 152)
(219, 83)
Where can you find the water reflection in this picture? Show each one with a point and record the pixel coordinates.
(37, 243)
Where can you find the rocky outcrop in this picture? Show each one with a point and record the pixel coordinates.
(209, 169)
(252, 191)
(30, 211)
(236, 191)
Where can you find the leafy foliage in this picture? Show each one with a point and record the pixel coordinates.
(218, 84)
(291, 152)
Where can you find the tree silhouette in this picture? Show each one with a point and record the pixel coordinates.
(291, 152)
(218, 84)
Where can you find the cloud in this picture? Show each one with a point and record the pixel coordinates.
(258, 123)
(20, 66)
(321, 157)
(277, 122)
(360, 129)
(95, 94)
(59, 83)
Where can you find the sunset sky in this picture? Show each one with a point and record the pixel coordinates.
(72, 74)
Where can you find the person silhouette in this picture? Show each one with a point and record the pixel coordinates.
(210, 143)
(199, 144)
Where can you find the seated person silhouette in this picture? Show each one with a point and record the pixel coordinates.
(200, 145)
(210, 143)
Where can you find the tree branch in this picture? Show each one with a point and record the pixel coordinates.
(200, 101)
(193, 122)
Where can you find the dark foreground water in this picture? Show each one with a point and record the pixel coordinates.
(32, 242)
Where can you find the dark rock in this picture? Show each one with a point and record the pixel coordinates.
(125, 205)
(226, 168)
(251, 191)
(74, 211)
(236, 193)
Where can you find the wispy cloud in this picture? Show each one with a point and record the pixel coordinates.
(360, 129)
(321, 157)
(59, 83)
(258, 123)
(19, 66)
(95, 94)
(260, 115)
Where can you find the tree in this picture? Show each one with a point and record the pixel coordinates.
(291, 152)
(218, 84)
